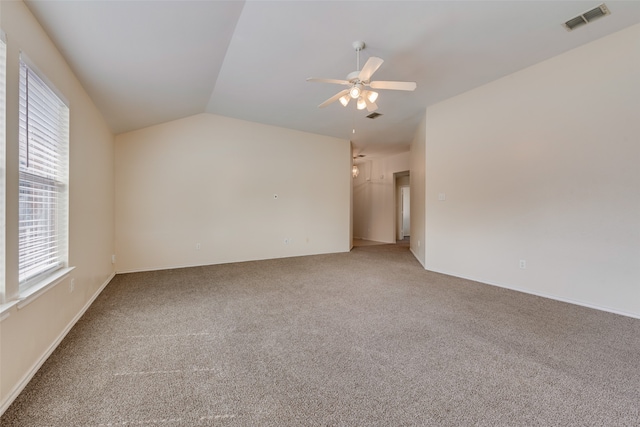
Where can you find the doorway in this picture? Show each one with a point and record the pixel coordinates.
(403, 206)
(405, 195)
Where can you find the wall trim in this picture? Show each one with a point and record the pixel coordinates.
(176, 267)
(38, 364)
(417, 258)
(207, 264)
(548, 296)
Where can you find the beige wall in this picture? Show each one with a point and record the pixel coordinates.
(417, 182)
(374, 198)
(28, 334)
(211, 180)
(542, 166)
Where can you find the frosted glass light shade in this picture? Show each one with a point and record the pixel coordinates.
(355, 91)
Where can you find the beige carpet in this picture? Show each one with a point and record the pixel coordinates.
(366, 338)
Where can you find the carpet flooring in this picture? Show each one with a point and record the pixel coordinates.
(366, 338)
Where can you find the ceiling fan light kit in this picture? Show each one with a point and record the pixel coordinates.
(356, 90)
(359, 80)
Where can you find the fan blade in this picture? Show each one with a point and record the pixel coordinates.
(369, 68)
(394, 85)
(371, 106)
(334, 98)
(369, 98)
(339, 82)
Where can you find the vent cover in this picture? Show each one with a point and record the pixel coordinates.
(587, 17)
(374, 115)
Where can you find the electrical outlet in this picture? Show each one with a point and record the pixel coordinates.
(198, 246)
(286, 241)
(72, 285)
(523, 264)
(113, 259)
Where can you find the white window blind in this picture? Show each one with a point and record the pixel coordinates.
(43, 205)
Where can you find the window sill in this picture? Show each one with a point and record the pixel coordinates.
(33, 292)
(4, 309)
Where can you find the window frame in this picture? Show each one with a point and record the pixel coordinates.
(3, 168)
(49, 140)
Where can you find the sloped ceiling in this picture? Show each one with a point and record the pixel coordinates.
(147, 62)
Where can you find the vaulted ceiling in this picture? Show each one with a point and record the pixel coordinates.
(147, 62)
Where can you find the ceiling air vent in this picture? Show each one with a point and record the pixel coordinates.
(587, 17)
(374, 115)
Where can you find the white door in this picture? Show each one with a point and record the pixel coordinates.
(405, 212)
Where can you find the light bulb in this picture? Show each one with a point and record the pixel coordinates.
(356, 90)
(372, 96)
(362, 104)
(344, 100)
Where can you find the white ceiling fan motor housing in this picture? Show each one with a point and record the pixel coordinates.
(353, 76)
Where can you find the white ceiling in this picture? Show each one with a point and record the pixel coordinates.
(147, 62)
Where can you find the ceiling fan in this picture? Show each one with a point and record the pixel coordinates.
(359, 80)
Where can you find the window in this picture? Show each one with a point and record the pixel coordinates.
(3, 67)
(43, 175)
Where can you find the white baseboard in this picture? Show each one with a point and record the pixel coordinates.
(417, 258)
(29, 375)
(223, 262)
(544, 295)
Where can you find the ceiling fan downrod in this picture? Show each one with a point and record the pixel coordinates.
(358, 46)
